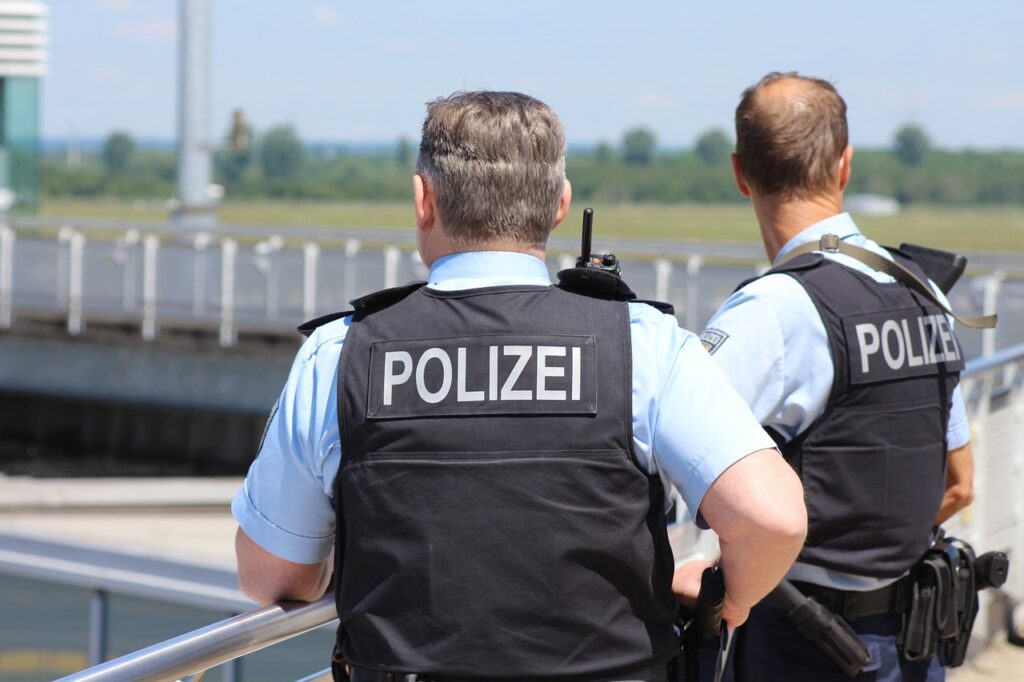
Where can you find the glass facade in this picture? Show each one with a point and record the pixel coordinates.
(19, 141)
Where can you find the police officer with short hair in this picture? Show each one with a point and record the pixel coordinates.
(489, 456)
(855, 376)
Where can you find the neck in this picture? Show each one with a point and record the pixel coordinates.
(439, 248)
(783, 219)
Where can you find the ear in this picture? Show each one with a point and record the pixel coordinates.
(844, 167)
(425, 202)
(737, 173)
(563, 204)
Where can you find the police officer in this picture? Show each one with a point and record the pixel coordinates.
(488, 456)
(855, 377)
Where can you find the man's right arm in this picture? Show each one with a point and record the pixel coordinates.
(757, 509)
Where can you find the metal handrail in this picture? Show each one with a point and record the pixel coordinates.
(1002, 357)
(212, 645)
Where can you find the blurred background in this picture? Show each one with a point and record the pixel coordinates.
(183, 182)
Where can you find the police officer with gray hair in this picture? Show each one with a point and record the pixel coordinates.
(853, 373)
(488, 456)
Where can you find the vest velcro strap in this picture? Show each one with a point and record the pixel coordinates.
(831, 243)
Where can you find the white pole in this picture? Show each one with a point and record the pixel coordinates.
(662, 276)
(392, 255)
(130, 240)
(199, 246)
(76, 267)
(6, 276)
(228, 250)
(990, 302)
(566, 262)
(150, 249)
(352, 247)
(693, 265)
(310, 260)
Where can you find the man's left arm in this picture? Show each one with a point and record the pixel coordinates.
(268, 578)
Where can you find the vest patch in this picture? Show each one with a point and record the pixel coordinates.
(900, 343)
(504, 374)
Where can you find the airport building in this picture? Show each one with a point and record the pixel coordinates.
(23, 63)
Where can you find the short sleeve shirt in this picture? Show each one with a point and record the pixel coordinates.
(689, 423)
(771, 342)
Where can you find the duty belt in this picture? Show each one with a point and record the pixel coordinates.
(851, 605)
(656, 672)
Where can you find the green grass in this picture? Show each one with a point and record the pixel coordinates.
(957, 229)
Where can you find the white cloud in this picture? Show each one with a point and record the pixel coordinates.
(1005, 101)
(161, 30)
(325, 16)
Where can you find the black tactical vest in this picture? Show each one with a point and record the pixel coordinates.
(492, 518)
(873, 464)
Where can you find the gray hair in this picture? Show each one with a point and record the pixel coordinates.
(496, 164)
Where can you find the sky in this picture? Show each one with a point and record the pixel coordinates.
(361, 71)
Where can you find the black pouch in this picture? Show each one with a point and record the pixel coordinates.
(930, 615)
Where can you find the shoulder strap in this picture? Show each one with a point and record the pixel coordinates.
(363, 305)
(831, 243)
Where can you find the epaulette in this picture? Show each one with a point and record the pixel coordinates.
(364, 305)
(595, 282)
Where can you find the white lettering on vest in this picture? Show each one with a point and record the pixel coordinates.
(912, 360)
(934, 340)
(867, 348)
(890, 329)
(558, 374)
(507, 392)
(544, 371)
(461, 394)
(446, 378)
(390, 378)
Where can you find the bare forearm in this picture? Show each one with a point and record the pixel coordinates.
(754, 565)
(268, 579)
(757, 508)
(959, 483)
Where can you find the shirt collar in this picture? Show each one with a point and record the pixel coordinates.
(478, 269)
(841, 225)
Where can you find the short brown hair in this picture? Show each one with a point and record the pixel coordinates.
(791, 144)
(496, 163)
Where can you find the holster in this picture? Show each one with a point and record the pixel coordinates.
(943, 604)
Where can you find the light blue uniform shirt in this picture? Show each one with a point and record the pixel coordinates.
(689, 424)
(769, 339)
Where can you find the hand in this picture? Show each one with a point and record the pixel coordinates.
(686, 582)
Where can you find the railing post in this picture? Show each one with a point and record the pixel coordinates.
(565, 261)
(129, 241)
(233, 670)
(64, 235)
(228, 250)
(310, 259)
(990, 304)
(392, 255)
(98, 626)
(662, 276)
(150, 250)
(6, 276)
(76, 272)
(199, 246)
(693, 265)
(352, 247)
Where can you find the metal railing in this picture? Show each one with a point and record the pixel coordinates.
(255, 280)
(192, 654)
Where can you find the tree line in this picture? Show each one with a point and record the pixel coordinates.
(277, 164)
